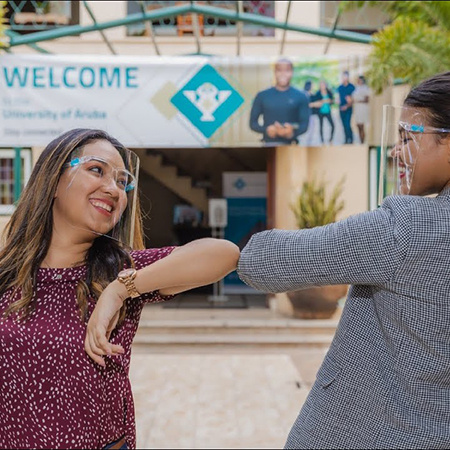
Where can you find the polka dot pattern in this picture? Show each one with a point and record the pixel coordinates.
(53, 394)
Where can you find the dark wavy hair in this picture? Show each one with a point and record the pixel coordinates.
(432, 96)
(27, 236)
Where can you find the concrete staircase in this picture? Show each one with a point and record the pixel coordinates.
(227, 332)
(168, 176)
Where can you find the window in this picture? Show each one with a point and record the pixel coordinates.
(7, 157)
(27, 17)
(367, 19)
(208, 25)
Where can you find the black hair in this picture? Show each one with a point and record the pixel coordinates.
(28, 234)
(433, 95)
(284, 61)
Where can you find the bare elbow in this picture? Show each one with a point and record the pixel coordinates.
(228, 251)
(231, 253)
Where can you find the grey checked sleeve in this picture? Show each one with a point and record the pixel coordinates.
(364, 249)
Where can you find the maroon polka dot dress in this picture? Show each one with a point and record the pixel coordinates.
(52, 394)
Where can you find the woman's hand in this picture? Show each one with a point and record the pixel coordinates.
(103, 321)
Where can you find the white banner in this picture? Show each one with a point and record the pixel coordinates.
(152, 101)
(43, 96)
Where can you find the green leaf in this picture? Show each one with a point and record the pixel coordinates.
(413, 47)
(311, 208)
(407, 49)
(2, 21)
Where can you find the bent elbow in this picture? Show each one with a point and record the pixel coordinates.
(231, 253)
(226, 252)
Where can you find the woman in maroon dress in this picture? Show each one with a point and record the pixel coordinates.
(65, 250)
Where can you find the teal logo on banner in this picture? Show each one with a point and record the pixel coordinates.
(207, 100)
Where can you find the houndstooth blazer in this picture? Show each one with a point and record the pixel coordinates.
(385, 381)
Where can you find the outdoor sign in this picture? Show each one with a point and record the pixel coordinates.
(190, 101)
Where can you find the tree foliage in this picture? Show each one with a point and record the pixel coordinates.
(2, 21)
(413, 46)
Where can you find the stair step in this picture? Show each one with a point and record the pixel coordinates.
(180, 185)
(231, 339)
(297, 327)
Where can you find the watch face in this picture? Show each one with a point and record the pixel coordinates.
(126, 273)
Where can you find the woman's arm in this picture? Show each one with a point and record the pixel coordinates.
(316, 104)
(197, 263)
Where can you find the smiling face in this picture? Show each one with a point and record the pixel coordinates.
(423, 160)
(91, 195)
(283, 74)
(345, 78)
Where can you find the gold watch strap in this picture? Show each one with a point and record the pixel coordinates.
(127, 277)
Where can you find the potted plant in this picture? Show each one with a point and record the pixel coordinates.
(313, 208)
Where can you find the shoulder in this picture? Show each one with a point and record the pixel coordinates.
(295, 91)
(422, 221)
(408, 201)
(143, 258)
(266, 92)
(419, 212)
(398, 207)
(298, 94)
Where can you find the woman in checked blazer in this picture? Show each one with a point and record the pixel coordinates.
(385, 381)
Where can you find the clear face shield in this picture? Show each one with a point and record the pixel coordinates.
(402, 134)
(400, 148)
(99, 193)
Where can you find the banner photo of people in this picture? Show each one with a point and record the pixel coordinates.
(193, 101)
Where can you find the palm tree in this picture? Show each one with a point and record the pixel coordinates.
(413, 46)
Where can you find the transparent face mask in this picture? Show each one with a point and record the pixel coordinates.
(402, 135)
(400, 149)
(99, 194)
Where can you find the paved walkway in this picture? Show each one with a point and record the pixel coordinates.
(215, 401)
(234, 397)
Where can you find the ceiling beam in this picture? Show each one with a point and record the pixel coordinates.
(283, 40)
(172, 11)
(12, 35)
(239, 11)
(270, 22)
(109, 45)
(149, 28)
(335, 23)
(74, 30)
(196, 27)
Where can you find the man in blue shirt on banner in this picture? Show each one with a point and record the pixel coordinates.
(346, 106)
(284, 109)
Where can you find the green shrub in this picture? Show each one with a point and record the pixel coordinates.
(313, 209)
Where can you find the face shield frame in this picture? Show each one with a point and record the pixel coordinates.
(124, 179)
(402, 132)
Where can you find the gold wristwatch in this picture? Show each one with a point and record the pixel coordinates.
(127, 277)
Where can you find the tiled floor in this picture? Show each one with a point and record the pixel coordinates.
(215, 401)
(219, 396)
